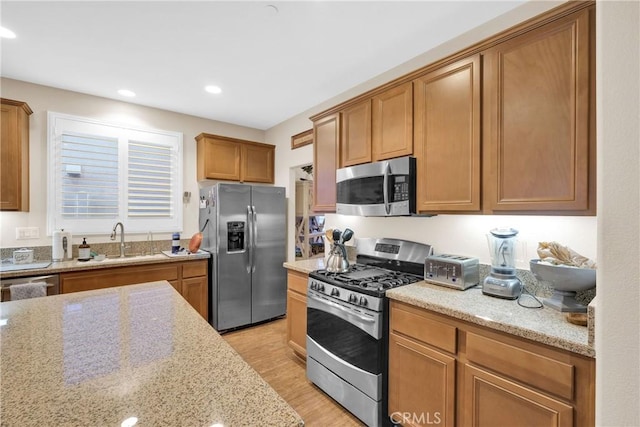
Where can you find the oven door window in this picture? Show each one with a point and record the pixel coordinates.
(345, 340)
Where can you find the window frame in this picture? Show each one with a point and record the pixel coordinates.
(58, 123)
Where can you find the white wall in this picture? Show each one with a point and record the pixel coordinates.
(618, 303)
(43, 98)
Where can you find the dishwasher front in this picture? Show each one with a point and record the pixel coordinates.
(52, 281)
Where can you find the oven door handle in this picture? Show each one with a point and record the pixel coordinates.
(341, 308)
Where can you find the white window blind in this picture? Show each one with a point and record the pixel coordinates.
(149, 178)
(89, 175)
(102, 173)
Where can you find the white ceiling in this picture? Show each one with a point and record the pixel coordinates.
(270, 65)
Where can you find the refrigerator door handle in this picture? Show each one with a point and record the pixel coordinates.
(250, 239)
(254, 235)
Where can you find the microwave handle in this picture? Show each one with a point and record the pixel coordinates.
(385, 188)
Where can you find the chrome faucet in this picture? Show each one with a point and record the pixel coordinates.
(113, 237)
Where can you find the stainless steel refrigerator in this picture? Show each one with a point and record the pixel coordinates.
(244, 229)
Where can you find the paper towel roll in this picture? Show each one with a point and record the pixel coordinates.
(61, 246)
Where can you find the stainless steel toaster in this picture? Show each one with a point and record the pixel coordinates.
(455, 271)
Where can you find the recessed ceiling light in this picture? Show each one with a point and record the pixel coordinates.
(213, 89)
(6, 33)
(126, 92)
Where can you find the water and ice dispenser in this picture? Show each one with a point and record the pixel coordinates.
(235, 236)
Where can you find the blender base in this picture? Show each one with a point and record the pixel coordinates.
(564, 301)
(505, 287)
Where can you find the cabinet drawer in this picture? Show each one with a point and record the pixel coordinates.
(417, 324)
(100, 279)
(530, 368)
(194, 269)
(297, 281)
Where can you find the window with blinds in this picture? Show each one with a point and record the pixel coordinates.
(102, 173)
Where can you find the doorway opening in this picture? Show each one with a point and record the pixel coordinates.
(309, 226)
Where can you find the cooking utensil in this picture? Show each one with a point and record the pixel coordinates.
(347, 234)
(329, 235)
(336, 235)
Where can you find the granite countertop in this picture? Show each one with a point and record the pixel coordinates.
(543, 325)
(75, 265)
(305, 265)
(97, 358)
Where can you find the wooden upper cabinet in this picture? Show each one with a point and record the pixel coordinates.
(230, 159)
(257, 163)
(355, 144)
(14, 156)
(538, 100)
(447, 137)
(392, 123)
(326, 136)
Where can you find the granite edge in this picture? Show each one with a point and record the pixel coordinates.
(75, 265)
(557, 342)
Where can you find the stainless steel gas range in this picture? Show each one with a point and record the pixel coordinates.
(348, 324)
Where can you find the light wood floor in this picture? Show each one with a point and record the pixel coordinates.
(264, 347)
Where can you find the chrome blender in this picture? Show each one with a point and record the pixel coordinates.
(502, 281)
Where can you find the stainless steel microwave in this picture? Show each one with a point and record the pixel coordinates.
(385, 188)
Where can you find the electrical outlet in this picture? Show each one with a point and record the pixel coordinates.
(23, 233)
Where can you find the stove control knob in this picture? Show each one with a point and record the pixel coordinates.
(313, 286)
(335, 292)
(353, 298)
(320, 287)
(363, 301)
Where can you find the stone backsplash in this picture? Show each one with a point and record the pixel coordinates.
(43, 253)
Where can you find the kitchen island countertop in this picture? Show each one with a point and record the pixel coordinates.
(102, 357)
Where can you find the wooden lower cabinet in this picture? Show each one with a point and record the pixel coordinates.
(491, 400)
(189, 278)
(297, 312)
(422, 387)
(485, 379)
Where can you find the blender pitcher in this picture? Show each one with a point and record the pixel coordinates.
(502, 242)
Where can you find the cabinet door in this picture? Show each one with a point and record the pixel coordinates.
(392, 122)
(355, 144)
(297, 322)
(257, 163)
(447, 137)
(326, 134)
(218, 159)
(14, 156)
(195, 291)
(537, 98)
(421, 384)
(492, 401)
(297, 311)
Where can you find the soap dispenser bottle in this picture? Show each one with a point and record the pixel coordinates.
(84, 251)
